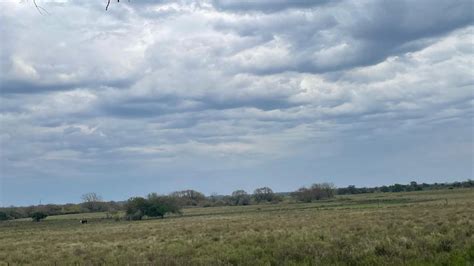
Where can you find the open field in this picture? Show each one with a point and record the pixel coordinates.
(414, 228)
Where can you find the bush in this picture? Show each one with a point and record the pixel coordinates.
(38, 216)
(240, 197)
(161, 205)
(137, 215)
(315, 192)
(189, 197)
(3, 216)
(153, 206)
(264, 194)
(135, 208)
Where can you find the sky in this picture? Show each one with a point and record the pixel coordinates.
(159, 96)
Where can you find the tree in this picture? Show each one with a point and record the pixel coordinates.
(135, 208)
(92, 202)
(153, 206)
(189, 197)
(315, 192)
(3, 216)
(91, 197)
(302, 194)
(352, 189)
(264, 194)
(398, 188)
(416, 187)
(327, 189)
(38, 216)
(164, 204)
(240, 197)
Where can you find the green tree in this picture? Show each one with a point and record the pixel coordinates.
(158, 206)
(153, 206)
(135, 208)
(3, 216)
(38, 216)
(398, 188)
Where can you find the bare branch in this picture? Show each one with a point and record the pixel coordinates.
(108, 3)
(40, 9)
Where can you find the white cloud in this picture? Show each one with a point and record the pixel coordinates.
(213, 85)
(22, 70)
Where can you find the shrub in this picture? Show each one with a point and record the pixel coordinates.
(240, 197)
(137, 215)
(135, 208)
(3, 216)
(161, 205)
(189, 197)
(315, 192)
(152, 206)
(264, 194)
(38, 216)
(445, 245)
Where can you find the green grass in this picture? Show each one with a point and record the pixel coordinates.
(76, 216)
(415, 228)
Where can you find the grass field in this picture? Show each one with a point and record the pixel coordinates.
(414, 228)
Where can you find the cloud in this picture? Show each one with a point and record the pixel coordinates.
(266, 5)
(342, 35)
(221, 89)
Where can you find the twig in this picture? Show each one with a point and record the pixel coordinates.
(108, 3)
(39, 8)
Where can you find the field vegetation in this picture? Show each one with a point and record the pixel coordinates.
(407, 228)
(159, 205)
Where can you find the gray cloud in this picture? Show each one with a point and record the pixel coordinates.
(267, 5)
(200, 94)
(343, 35)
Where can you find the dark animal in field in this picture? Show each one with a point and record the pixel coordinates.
(83, 221)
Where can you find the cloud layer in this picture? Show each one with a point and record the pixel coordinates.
(220, 95)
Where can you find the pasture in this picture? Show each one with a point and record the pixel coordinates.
(413, 228)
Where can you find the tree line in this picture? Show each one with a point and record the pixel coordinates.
(154, 205)
(412, 186)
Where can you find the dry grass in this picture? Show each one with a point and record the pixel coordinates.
(416, 228)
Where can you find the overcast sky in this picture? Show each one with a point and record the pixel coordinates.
(158, 96)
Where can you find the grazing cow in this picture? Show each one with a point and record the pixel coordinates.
(83, 221)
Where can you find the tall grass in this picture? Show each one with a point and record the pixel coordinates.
(416, 228)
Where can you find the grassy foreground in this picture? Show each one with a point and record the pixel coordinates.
(414, 228)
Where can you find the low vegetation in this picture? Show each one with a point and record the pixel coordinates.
(406, 228)
(153, 206)
(315, 192)
(38, 216)
(92, 202)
